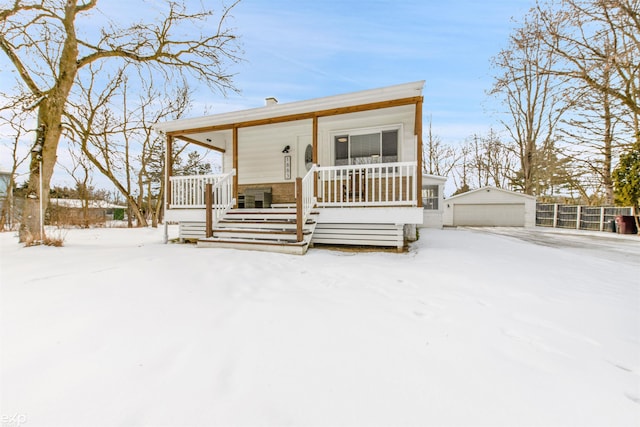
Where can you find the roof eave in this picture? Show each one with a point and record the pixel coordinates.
(404, 90)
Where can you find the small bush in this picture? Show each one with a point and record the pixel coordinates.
(56, 239)
(53, 241)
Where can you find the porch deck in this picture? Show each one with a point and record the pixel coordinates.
(356, 204)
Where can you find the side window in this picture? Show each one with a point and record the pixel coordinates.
(430, 197)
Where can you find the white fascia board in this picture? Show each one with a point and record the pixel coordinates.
(405, 90)
(489, 188)
(437, 178)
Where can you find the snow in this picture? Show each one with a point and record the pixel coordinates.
(467, 328)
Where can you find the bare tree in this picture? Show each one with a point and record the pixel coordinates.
(460, 173)
(96, 129)
(80, 171)
(599, 44)
(113, 129)
(150, 175)
(438, 158)
(41, 40)
(531, 95)
(487, 162)
(594, 136)
(499, 162)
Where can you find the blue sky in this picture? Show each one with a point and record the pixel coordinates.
(296, 50)
(300, 49)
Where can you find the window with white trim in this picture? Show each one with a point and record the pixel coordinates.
(366, 148)
(430, 197)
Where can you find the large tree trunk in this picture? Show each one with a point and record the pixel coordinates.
(50, 111)
(50, 130)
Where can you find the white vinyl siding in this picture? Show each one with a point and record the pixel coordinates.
(260, 156)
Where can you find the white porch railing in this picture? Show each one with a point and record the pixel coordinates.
(305, 200)
(381, 184)
(309, 199)
(222, 197)
(188, 191)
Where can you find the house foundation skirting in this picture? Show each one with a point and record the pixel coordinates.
(390, 235)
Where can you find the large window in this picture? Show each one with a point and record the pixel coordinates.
(430, 197)
(366, 148)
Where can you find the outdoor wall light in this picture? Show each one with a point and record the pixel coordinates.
(286, 149)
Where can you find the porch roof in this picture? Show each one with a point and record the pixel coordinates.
(199, 128)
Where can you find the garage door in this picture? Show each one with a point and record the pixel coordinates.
(489, 215)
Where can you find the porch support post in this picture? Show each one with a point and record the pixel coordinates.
(299, 223)
(418, 132)
(168, 168)
(235, 164)
(208, 203)
(314, 144)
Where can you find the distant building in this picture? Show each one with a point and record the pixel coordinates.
(5, 177)
(5, 217)
(70, 212)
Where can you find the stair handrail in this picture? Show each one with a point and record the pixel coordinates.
(305, 200)
(219, 200)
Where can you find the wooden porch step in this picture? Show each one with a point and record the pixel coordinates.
(261, 225)
(269, 230)
(260, 218)
(262, 211)
(292, 248)
(283, 215)
(258, 234)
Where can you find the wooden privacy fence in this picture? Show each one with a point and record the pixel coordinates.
(596, 218)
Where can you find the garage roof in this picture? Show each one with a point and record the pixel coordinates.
(514, 193)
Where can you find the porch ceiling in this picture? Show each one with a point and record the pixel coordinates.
(217, 140)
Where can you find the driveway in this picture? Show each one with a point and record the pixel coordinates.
(603, 245)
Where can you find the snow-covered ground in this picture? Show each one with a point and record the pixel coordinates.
(467, 328)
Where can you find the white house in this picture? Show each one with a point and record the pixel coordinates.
(490, 207)
(336, 170)
(433, 200)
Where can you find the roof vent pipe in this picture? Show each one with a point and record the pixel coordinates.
(270, 101)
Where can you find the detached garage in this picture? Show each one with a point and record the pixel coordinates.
(490, 207)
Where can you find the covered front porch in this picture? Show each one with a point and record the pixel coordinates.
(345, 160)
(380, 197)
